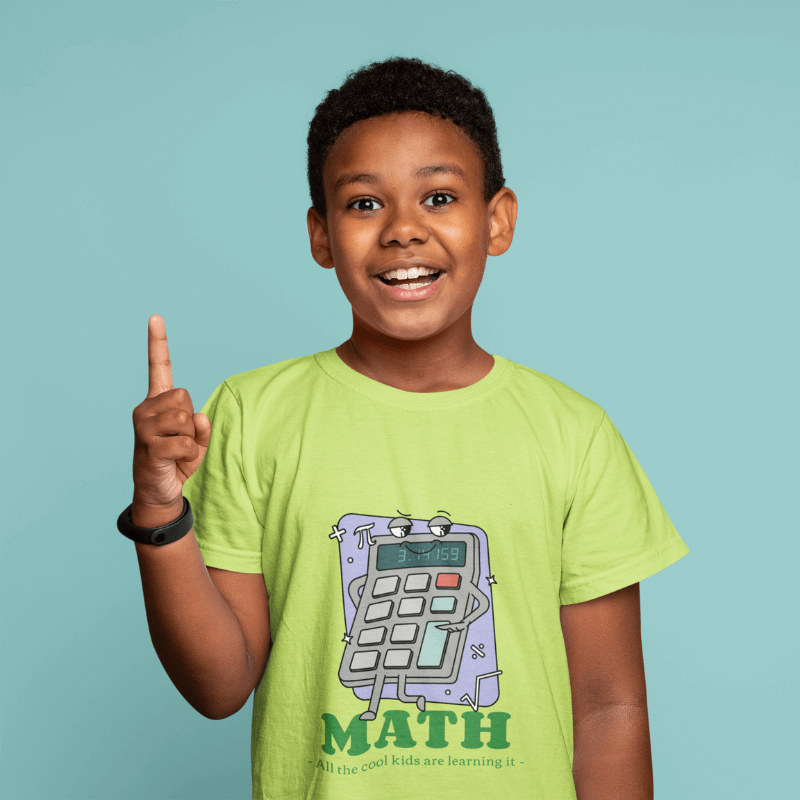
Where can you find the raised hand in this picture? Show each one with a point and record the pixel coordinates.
(170, 439)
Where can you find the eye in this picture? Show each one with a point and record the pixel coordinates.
(439, 199)
(365, 204)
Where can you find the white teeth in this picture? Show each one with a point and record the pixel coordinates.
(412, 272)
(411, 285)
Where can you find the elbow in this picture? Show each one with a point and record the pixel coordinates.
(221, 711)
(217, 713)
(216, 708)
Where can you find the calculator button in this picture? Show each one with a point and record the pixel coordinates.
(443, 605)
(418, 582)
(363, 660)
(397, 658)
(448, 580)
(410, 607)
(378, 611)
(387, 585)
(403, 633)
(431, 653)
(372, 636)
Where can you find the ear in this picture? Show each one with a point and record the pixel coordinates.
(502, 219)
(318, 238)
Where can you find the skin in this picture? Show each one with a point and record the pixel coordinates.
(611, 730)
(210, 627)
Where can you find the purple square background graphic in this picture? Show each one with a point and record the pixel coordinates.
(480, 633)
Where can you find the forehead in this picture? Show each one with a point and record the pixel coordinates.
(396, 146)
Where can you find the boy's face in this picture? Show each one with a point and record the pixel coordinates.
(405, 190)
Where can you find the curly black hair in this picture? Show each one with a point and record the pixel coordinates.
(403, 84)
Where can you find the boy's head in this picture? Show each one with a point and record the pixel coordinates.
(408, 198)
(396, 85)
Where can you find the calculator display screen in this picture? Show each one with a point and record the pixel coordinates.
(422, 554)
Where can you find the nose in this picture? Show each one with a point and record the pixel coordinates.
(405, 226)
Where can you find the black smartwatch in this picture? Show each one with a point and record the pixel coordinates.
(165, 534)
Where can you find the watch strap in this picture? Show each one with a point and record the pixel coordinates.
(165, 534)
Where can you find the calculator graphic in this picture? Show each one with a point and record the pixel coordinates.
(418, 609)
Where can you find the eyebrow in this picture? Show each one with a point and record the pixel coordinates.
(446, 168)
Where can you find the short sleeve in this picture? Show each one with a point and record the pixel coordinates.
(616, 531)
(225, 522)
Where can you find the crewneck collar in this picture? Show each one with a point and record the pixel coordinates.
(332, 365)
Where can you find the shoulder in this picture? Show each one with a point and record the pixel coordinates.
(551, 400)
(291, 376)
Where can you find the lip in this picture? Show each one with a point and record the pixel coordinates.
(410, 294)
(422, 293)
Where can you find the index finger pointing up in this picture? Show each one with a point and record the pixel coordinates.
(159, 365)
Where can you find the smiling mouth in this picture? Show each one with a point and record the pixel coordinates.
(410, 283)
(421, 552)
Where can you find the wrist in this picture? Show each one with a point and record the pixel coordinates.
(144, 515)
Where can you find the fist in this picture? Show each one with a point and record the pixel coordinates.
(170, 440)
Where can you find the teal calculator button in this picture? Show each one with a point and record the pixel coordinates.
(431, 654)
(443, 605)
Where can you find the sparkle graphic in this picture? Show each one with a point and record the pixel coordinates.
(347, 638)
(491, 579)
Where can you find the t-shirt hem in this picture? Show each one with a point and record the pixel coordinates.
(231, 561)
(633, 572)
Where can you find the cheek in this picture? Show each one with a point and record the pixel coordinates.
(464, 235)
(351, 241)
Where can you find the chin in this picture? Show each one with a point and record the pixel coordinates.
(413, 333)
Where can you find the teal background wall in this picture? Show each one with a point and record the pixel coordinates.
(153, 161)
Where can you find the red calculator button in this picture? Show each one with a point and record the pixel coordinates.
(448, 580)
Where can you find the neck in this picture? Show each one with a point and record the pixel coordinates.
(446, 361)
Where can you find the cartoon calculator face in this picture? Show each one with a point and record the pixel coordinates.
(418, 612)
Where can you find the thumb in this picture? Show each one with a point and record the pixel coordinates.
(202, 425)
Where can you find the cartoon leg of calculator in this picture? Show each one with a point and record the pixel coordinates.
(418, 603)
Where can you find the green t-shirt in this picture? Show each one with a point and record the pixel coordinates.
(416, 548)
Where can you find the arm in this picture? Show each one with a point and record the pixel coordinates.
(209, 627)
(353, 588)
(609, 700)
(478, 611)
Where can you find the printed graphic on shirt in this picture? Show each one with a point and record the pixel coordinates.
(418, 610)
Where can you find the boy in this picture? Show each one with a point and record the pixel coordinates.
(439, 549)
